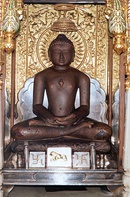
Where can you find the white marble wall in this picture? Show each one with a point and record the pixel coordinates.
(126, 162)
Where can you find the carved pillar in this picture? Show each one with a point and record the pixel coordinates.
(126, 178)
(2, 2)
(1, 133)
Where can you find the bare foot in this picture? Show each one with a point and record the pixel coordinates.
(36, 122)
(87, 124)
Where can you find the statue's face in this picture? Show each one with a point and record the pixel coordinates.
(61, 54)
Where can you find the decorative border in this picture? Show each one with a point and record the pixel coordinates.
(66, 1)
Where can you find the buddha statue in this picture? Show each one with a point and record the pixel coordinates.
(61, 83)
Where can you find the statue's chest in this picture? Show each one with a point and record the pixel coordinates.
(61, 82)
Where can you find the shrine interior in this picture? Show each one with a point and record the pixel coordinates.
(99, 31)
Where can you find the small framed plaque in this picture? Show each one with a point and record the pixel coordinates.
(59, 157)
(37, 159)
(81, 160)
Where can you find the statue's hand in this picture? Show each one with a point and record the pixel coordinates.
(63, 121)
(54, 121)
(67, 121)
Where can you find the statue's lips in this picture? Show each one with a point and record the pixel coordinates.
(61, 61)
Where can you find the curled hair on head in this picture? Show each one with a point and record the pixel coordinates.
(60, 39)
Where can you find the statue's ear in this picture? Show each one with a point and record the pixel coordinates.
(49, 55)
(73, 56)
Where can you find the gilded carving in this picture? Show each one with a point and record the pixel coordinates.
(102, 46)
(91, 41)
(115, 71)
(8, 74)
(10, 27)
(42, 47)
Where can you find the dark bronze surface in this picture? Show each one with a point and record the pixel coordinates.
(61, 118)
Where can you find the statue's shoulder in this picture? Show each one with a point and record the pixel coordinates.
(81, 74)
(42, 73)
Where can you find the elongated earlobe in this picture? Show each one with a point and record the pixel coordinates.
(49, 55)
(73, 56)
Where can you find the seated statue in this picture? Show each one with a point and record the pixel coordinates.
(61, 118)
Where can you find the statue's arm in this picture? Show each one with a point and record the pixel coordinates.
(38, 96)
(84, 87)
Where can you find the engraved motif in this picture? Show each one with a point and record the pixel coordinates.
(59, 157)
(37, 159)
(56, 156)
(81, 159)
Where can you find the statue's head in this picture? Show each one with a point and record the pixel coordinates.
(61, 40)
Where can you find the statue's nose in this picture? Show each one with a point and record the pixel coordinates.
(61, 54)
